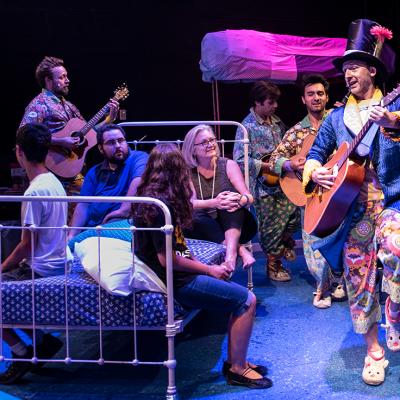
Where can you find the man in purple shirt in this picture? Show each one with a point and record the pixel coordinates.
(52, 109)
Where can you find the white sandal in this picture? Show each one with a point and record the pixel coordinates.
(374, 369)
(322, 302)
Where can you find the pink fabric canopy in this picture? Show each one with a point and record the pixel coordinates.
(245, 55)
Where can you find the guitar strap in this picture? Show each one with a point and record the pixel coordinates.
(363, 149)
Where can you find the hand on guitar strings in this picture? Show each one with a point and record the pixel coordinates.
(69, 142)
(325, 177)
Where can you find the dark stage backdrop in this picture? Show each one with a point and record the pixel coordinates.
(154, 46)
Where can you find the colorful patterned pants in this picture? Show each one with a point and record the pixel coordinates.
(388, 238)
(277, 219)
(371, 229)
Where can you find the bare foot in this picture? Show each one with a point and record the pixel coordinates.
(247, 257)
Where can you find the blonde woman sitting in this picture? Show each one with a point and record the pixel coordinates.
(220, 197)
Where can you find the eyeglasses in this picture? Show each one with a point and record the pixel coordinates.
(205, 143)
(113, 142)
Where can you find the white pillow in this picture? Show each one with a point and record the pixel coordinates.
(116, 273)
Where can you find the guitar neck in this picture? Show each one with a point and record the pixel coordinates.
(384, 102)
(93, 121)
(356, 142)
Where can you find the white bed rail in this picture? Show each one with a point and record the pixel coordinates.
(172, 326)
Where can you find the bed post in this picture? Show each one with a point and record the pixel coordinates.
(170, 329)
(216, 111)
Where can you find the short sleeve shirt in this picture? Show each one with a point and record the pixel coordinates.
(149, 243)
(50, 110)
(102, 181)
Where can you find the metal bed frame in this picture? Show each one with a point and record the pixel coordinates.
(173, 325)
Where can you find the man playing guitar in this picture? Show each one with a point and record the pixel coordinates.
(289, 158)
(372, 226)
(51, 109)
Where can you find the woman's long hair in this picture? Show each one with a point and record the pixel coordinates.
(166, 177)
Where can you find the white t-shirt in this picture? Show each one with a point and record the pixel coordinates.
(49, 250)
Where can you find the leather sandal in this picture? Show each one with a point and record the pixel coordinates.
(374, 369)
(289, 254)
(260, 369)
(392, 329)
(241, 380)
(276, 272)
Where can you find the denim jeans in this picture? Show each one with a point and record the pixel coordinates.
(208, 293)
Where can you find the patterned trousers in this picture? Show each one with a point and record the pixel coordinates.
(374, 234)
(277, 220)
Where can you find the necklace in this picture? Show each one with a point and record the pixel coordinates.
(213, 184)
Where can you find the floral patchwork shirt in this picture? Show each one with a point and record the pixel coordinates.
(264, 137)
(48, 109)
(291, 143)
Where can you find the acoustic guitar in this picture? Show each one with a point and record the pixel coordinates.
(292, 181)
(327, 209)
(68, 163)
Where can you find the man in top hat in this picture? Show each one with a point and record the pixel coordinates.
(375, 215)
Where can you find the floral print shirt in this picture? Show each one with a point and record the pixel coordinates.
(263, 138)
(291, 143)
(48, 109)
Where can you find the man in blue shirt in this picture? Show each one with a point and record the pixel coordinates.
(118, 175)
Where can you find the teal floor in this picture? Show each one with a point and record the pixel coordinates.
(311, 354)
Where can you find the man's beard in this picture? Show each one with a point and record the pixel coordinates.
(61, 91)
(117, 160)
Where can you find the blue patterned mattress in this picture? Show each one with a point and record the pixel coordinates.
(83, 294)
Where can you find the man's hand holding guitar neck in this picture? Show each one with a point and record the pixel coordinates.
(113, 113)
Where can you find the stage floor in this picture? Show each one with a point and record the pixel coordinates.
(311, 354)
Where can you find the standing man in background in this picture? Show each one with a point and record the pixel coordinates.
(277, 217)
(52, 109)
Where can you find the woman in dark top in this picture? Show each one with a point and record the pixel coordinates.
(197, 285)
(221, 196)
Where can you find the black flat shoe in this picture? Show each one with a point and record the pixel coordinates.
(241, 380)
(260, 369)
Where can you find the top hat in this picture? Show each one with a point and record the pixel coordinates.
(366, 43)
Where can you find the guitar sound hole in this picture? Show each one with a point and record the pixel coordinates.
(80, 135)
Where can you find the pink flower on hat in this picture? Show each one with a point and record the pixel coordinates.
(381, 33)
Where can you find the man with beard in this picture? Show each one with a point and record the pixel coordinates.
(118, 175)
(51, 109)
(314, 97)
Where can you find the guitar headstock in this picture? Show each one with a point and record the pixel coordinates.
(121, 93)
(391, 96)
